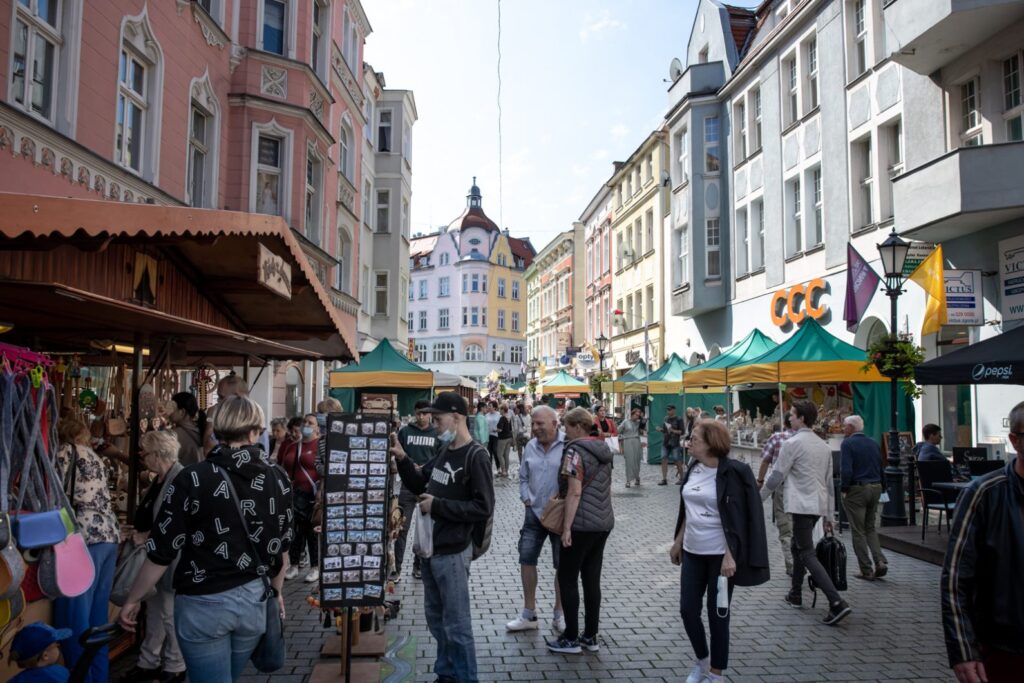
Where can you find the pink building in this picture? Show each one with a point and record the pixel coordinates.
(597, 219)
(247, 105)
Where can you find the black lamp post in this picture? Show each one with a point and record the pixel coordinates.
(602, 346)
(533, 364)
(894, 253)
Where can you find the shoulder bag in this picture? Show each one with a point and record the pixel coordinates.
(269, 654)
(553, 518)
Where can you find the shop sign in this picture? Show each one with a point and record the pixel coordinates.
(585, 360)
(274, 273)
(964, 304)
(633, 357)
(1011, 277)
(794, 305)
(917, 252)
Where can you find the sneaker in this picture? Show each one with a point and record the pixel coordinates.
(395, 576)
(521, 624)
(712, 678)
(558, 625)
(589, 644)
(662, 483)
(292, 572)
(628, 484)
(565, 646)
(417, 573)
(637, 482)
(836, 613)
(865, 577)
(139, 674)
(794, 599)
(313, 575)
(699, 670)
(881, 570)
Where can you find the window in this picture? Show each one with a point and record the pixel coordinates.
(321, 39)
(638, 248)
(501, 287)
(790, 101)
(444, 352)
(274, 26)
(740, 117)
(861, 162)
(442, 286)
(407, 143)
(742, 243)
(794, 227)
(475, 280)
(502, 260)
(819, 225)
(421, 353)
(474, 316)
(682, 156)
(651, 315)
(860, 37)
(465, 282)
(381, 295)
(405, 216)
(1013, 109)
(347, 153)
(444, 259)
(383, 211)
(684, 255)
(629, 244)
(890, 144)
(37, 41)
(367, 195)
(404, 307)
(498, 353)
(423, 288)
(314, 201)
(649, 168)
(515, 290)
(344, 273)
(269, 175)
(483, 283)
(132, 107)
(812, 74)
(677, 263)
(970, 114)
(198, 153)
(712, 161)
(465, 316)
(474, 352)
(412, 295)
(423, 321)
(384, 131)
(516, 354)
(442, 319)
(649, 229)
(411, 325)
(515, 321)
(618, 251)
(713, 241)
(368, 116)
(350, 40)
(756, 128)
(757, 230)
(483, 316)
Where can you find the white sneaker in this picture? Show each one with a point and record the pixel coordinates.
(521, 624)
(700, 670)
(712, 678)
(313, 575)
(292, 572)
(558, 625)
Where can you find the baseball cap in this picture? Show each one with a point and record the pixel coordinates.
(448, 402)
(422, 406)
(31, 640)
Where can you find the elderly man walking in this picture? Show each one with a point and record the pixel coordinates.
(538, 482)
(861, 483)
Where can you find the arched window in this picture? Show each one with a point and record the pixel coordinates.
(293, 391)
(498, 353)
(344, 268)
(139, 98)
(347, 152)
(474, 352)
(204, 138)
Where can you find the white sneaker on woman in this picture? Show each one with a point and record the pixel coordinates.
(292, 572)
(700, 669)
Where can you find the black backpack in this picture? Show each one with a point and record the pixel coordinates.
(831, 552)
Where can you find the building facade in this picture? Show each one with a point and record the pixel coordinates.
(467, 297)
(554, 300)
(639, 203)
(597, 221)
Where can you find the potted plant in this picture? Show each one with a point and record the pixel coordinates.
(896, 357)
(595, 382)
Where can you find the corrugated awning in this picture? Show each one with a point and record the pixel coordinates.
(218, 250)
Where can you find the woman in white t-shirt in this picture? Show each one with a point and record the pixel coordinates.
(719, 533)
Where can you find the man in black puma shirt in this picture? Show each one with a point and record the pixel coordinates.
(456, 489)
(419, 441)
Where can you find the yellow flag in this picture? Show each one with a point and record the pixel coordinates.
(929, 276)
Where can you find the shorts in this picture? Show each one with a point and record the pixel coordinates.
(674, 454)
(531, 540)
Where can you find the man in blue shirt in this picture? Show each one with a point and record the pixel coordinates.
(861, 483)
(929, 448)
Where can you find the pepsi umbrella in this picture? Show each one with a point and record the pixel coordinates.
(999, 360)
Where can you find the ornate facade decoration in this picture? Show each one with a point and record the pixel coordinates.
(274, 81)
(99, 184)
(28, 148)
(49, 159)
(83, 176)
(316, 105)
(67, 169)
(128, 195)
(210, 33)
(237, 55)
(115, 192)
(6, 138)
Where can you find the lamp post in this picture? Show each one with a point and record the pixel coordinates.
(533, 364)
(893, 252)
(602, 346)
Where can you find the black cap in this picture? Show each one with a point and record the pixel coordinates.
(448, 402)
(422, 405)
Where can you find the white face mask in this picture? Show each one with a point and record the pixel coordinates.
(447, 436)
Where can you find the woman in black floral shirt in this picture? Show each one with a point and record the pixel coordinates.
(219, 606)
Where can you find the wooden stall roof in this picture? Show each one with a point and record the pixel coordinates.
(217, 251)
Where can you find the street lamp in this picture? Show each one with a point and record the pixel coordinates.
(602, 346)
(893, 252)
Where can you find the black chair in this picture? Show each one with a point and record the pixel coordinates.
(979, 468)
(932, 472)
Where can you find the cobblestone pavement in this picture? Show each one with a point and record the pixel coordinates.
(894, 633)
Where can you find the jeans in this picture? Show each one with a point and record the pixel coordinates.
(784, 523)
(492, 448)
(160, 648)
(531, 540)
(87, 610)
(699, 574)
(217, 633)
(583, 558)
(861, 504)
(446, 603)
(502, 450)
(805, 560)
(302, 506)
(406, 501)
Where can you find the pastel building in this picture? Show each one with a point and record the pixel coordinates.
(597, 299)
(467, 299)
(554, 299)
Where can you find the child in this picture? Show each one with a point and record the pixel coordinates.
(36, 649)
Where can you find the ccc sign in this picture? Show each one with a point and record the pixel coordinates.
(799, 302)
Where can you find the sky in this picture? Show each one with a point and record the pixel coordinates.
(583, 84)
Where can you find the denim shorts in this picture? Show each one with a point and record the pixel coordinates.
(531, 540)
(674, 454)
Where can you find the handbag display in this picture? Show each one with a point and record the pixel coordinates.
(270, 652)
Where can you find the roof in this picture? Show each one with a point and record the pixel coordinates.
(220, 250)
(423, 245)
(476, 218)
(382, 367)
(563, 382)
(713, 373)
(742, 22)
(668, 379)
(522, 248)
(998, 360)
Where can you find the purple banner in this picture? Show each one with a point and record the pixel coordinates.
(861, 285)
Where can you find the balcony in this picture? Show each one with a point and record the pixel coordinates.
(345, 303)
(697, 79)
(925, 35)
(960, 192)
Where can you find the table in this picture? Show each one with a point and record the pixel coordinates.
(950, 488)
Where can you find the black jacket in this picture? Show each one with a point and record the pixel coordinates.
(740, 507)
(982, 594)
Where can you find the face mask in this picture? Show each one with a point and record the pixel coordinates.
(307, 432)
(446, 437)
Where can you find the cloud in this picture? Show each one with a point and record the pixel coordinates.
(599, 155)
(619, 130)
(593, 25)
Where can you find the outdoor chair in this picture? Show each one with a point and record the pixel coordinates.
(929, 473)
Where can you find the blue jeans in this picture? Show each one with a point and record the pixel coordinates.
(531, 540)
(446, 603)
(87, 610)
(217, 633)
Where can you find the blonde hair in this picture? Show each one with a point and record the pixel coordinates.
(579, 417)
(329, 405)
(163, 445)
(235, 417)
(233, 385)
(69, 429)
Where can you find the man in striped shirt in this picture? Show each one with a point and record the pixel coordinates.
(783, 522)
(982, 591)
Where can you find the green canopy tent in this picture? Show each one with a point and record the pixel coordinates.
(704, 385)
(663, 387)
(632, 382)
(382, 371)
(562, 385)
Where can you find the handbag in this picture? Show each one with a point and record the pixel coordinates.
(553, 517)
(269, 654)
(129, 562)
(613, 444)
(38, 529)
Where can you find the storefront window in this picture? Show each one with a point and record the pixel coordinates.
(955, 400)
(293, 391)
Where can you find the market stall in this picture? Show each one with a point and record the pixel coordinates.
(663, 387)
(561, 387)
(466, 388)
(706, 385)
(382, 371)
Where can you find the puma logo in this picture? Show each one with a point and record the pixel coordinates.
(446, 476)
